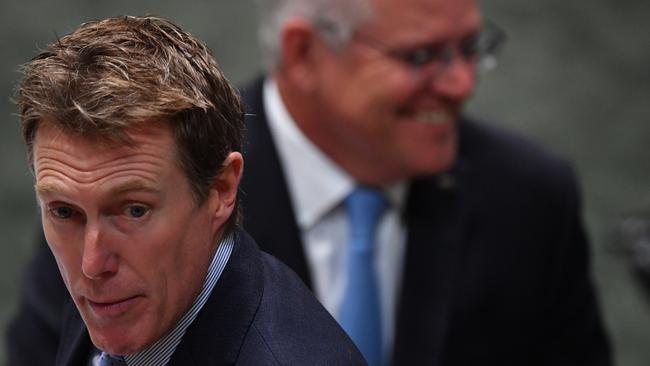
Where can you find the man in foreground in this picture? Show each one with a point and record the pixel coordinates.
(134, 135)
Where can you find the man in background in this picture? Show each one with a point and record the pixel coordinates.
(461, 244)
(134, 137)
(479, 255)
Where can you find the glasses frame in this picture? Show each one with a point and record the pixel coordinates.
(482, 49)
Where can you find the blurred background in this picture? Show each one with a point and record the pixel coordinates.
(574, 76)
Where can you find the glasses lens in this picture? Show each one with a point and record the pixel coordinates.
(487, 46)
(480, 49)
(469, 46)
(420, 56)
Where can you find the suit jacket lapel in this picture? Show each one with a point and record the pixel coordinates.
(437, 215)
(75, 347)
(217, 334)
(264, 189)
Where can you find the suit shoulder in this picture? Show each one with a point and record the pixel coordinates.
(251, 96)
(294, 325)
(509, 157)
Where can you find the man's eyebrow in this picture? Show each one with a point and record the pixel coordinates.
(134, 185)
(129, 186)
(47, 187)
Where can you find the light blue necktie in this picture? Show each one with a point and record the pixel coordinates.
(360, 311)
(108, 360)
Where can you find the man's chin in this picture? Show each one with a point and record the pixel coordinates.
(119, 340)
(116, 346)
(434, 161)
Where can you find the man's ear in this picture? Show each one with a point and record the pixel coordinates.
(299, 47)
(223, 194)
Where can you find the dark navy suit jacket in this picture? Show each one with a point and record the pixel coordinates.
(497, 264)
(259, 313)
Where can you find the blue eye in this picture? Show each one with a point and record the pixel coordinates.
(62, 212)
(137, 211)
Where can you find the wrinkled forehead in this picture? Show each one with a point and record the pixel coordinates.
(438, 19)
(52, 139)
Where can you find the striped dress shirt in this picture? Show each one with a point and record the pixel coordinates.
(160, 352)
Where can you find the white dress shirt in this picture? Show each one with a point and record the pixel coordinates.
(318, 187)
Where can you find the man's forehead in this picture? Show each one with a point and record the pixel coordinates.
(150, 148)
(430, 6)
(437, 16)
(51, 134)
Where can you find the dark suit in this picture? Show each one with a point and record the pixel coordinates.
(259, 313)
(496, 270)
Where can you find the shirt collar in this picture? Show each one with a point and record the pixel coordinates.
(316, 183)
(160, 352)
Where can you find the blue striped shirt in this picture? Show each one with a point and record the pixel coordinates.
(160, 352)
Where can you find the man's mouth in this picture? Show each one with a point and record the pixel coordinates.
(113, 307)
(433, 117)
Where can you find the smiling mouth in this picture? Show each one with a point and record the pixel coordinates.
(429, 116)
(436, 117)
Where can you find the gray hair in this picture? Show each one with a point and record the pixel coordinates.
(335, 20)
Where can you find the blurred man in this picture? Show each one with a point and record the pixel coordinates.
(480, 256)
(432, 238)
(133, 134)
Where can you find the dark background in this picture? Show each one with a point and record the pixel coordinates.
(574, 76)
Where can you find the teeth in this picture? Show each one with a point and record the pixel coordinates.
(433, 117)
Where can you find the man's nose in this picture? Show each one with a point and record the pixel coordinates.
(98, 258)
(457, 80)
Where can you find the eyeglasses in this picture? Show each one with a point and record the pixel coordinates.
(481, 49)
